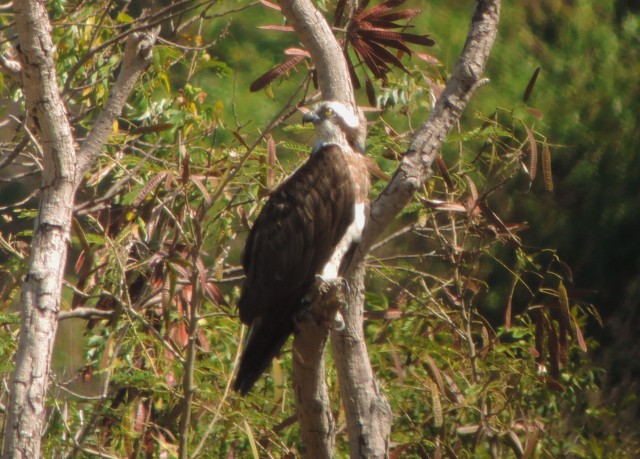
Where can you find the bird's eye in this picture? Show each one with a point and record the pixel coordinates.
(327, 112)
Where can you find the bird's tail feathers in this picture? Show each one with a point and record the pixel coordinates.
(264, 341)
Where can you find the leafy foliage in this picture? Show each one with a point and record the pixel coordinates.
(476, 337)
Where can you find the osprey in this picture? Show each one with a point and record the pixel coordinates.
(309, 227)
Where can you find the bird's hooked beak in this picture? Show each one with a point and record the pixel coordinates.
(310, 117)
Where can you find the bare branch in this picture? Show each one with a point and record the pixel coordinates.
(137, 56)
(85, 313)
(415, 168)
(10, 67)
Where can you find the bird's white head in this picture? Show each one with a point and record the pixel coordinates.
(336, 123)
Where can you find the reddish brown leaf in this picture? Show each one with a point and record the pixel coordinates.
(565, 312)
(507, 314)
(339, 13)
(579, 336)
(532, 82)
(539, 338)
(387, 56)
(444, 205)
(377, 66)
(452, 297)
(472, 188)
(80, 263)
(297, 52)
(279, 70)
(403, 14)
(546, 168)
(216, 295)
(140, 417)
(355, 81)
(397, 363)
(535, 112)
(186, 170)
(279, 28)
(444, 172)
(375, 34)
(240, 139)
(202, 273)
(381, 24)
(554, 384)
(563, 348)
(182, 335)
(554, 349)
(203, 190)
(377, 10)
(203, 342)
(434, 372)
(271, 5)
(514, 441)
(271, 161)
(530, 445)
(533, 154)
(394, 44)
(371, 92)
(141, 196)
(427, 58)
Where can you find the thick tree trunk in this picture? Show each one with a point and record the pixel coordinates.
(62, 169)
(369, 416)
(317, 426)
(41, 291)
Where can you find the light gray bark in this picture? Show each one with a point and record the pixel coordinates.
(317, 426)
(62, 171)
(368, 414)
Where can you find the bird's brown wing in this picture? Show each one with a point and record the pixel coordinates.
(294, 235)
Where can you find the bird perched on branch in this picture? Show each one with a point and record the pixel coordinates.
(309, 227)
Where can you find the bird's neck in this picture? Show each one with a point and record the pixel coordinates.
(338, 140)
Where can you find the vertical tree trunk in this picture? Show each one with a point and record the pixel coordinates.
(62, 168)
(41, 290)
(369, 416)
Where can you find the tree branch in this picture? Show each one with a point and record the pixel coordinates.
(415, 168)
(316, 35)
(42, 287)
(137, 56)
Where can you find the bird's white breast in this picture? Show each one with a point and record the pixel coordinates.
(352, 235)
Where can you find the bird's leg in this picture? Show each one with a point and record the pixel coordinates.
(338, 322)
(323, 301)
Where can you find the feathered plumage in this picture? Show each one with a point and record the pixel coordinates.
(305, 229)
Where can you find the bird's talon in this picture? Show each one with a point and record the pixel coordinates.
(338, 322)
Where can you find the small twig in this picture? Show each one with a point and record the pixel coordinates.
(85, 313)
